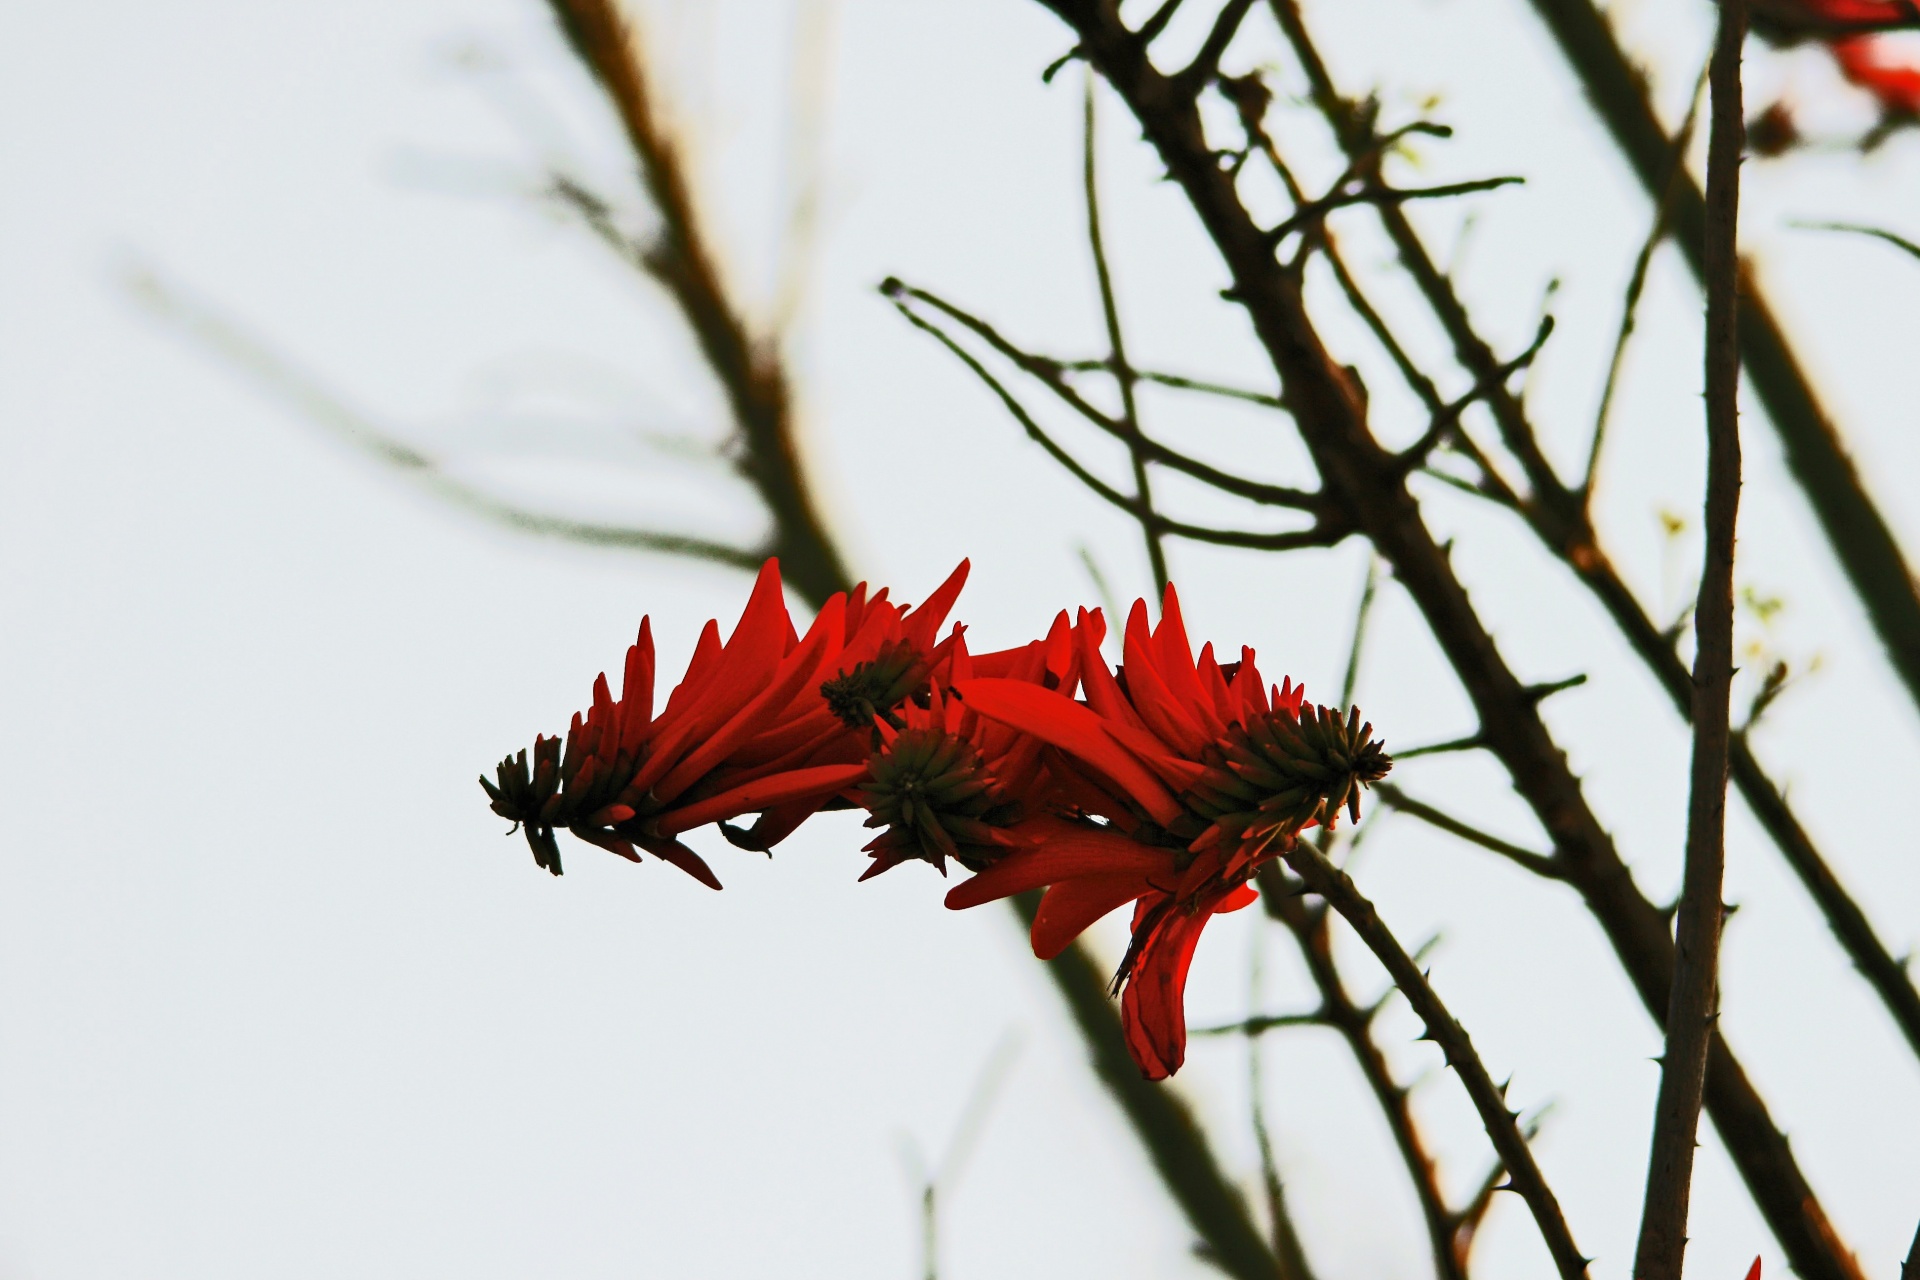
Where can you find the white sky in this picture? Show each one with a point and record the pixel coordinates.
(276, 998)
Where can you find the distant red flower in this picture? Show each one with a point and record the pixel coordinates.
(769, 723)
(1201, 773)
(1876, 66)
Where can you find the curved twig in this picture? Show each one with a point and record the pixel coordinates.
(1048, 372)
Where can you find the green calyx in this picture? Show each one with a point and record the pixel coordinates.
(933, 795)
(873, 689)
(1277, 774)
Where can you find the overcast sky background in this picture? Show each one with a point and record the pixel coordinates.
(278, 998)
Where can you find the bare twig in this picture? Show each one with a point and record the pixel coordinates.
(1192, 78)
(1049, 373)
(1541, 864)
(1637, 284)
(1900, 242)
(1691, 1009)
(1338, 1010)
(1321, 534)
(1123, 374)
(1288, 1250)
(1489, 1099)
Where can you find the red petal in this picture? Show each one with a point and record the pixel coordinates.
(1072, 905)
(923, 624)
(1153, 1010)
(1243, 896)
(1174, 652)
(799, 670)
(1753, 1272)
(636, 690)
(1066, 851)
(1052, 717)
(682, 857)
(763, 794)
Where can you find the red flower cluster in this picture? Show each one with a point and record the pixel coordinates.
(1165, 783)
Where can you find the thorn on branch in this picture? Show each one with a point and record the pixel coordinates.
(1054, 67)
(1537, 693)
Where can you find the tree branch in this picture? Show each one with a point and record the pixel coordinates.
(1048, 372)
(1123, 375)
(1355, 1025)
(1489, 1099)
(1361, 481)
(1323, 533)
(1693, 1006)
(1816, 456)
(747, 367)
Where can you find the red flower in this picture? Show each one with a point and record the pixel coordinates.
(947, 783)
(1201, 773)
(1895, 84)
(753, 727)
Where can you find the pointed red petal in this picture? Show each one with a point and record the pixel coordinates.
(923, 624)
(682, 857)
(1072, 905)
(763, 794)
(1066, 851)
(798, 671)
(1153, 1011)
(1057, 719)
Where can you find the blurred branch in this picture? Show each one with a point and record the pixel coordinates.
(1636, 285)
(1212, 1203)
(1897, 241)
(933, 1184)
(317, 403)
(747, 366)
(1287, 1246)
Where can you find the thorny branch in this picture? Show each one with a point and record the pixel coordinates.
(1360, 479)
(1489, 1099)
(1560, 518)
(1354, 1022)
(1692, 1008)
